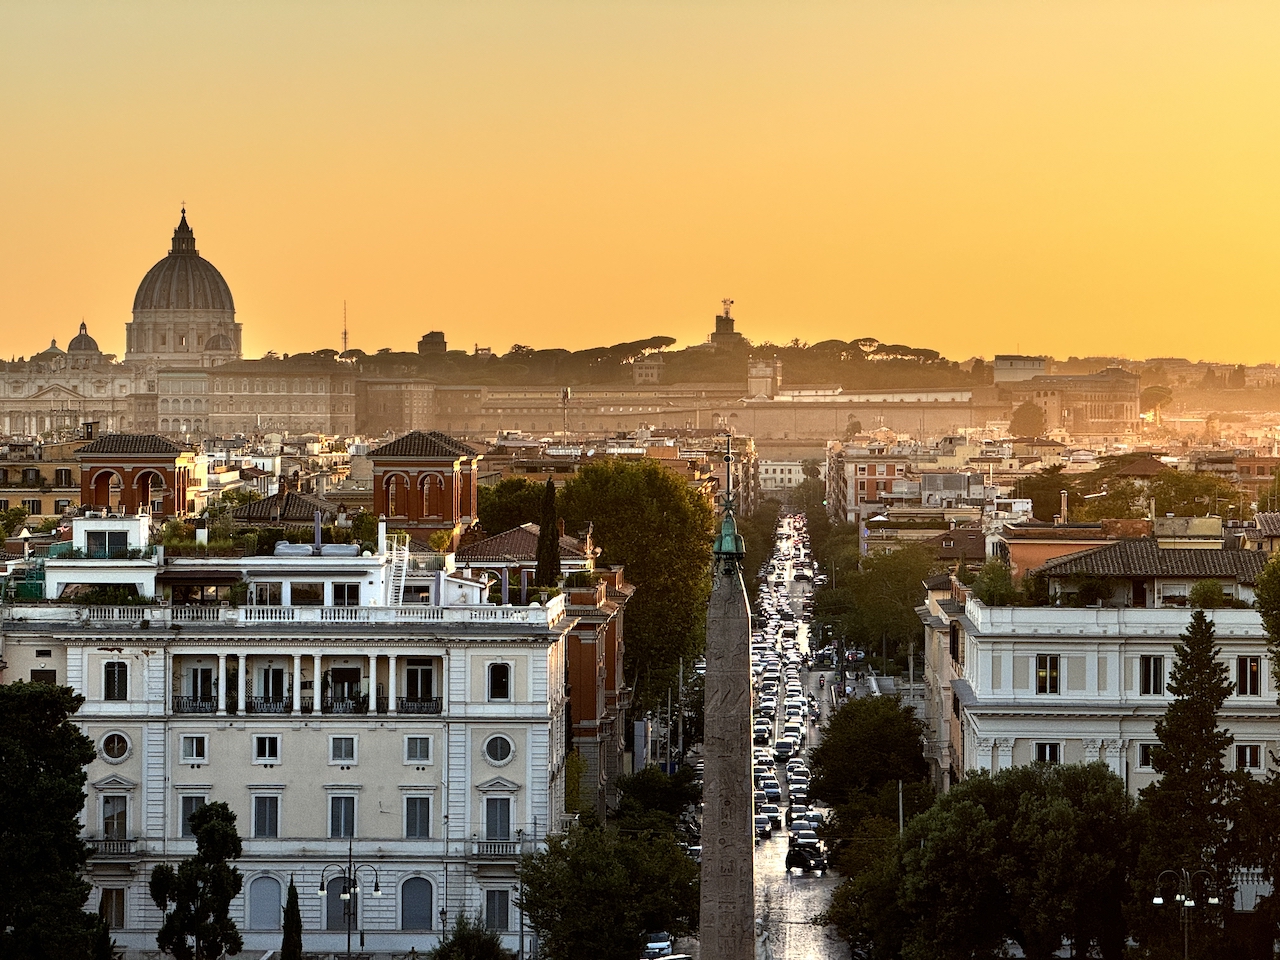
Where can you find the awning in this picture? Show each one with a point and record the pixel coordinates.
(197, 578)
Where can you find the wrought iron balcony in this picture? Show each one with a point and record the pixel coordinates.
(431, 705)
(195, 704)
(355, 705)
(268, 705)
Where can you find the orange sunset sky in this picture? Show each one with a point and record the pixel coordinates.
(1058, 176)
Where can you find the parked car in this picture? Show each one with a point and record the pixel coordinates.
(657, 944)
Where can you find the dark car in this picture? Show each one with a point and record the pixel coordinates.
(806, 859)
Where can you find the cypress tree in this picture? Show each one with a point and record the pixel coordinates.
(1190, 810)
(291, 947)
(548, 570)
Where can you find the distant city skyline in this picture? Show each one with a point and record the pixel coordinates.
(1062, 178)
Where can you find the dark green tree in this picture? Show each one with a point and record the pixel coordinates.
(1267, 600)
(42, 890)
(649, 519)
(1044, 490)
(508, 504)
(1039, 855)
(595, 891)
(653, 800)
(1190, 810)
(291, 945)
(196, 897)
(547, 571)
(867, 744)
(1027, 421)
(469, 939)
(994, 584)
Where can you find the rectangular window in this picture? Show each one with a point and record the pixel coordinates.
(1249, 676)
(266, 817)
(62, 477)
(417, 749)
(1151, 675)
(497, 818)
(115, 680)
(1046, 673)
(32, 507)
(104, 544)
(115, 813)
(4, 505)
(1048, 752)
(417, 818)
(346, 594)
(202, 683)
(307, 594)
(1144, 755)
(496, 909)
(499, 681)
(266, 749)
(111, 907)
(419, 680)
(195, 749)
(1248, 756)
(272, 679)
(342, 749)
(266, 594)
(44, 676)
(342, 817)
(189, 806)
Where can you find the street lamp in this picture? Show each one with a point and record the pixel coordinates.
(1185, 897)
(350, 876)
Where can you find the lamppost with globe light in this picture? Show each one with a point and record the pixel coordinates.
(1185, 898)
(350, 888)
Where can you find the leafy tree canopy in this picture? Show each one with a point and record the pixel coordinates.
(1027, 421)
(647, 518)
(196, 897)
(42, 760)
(469, 939)
(595, 891)
(508, 504)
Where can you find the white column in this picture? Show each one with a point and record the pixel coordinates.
(168, 683)
(1004, 753)
(297, 683)
(242, 683)
(1092, 746)
(222, 684)
(391, 683)
(984, 745)
(373, 683)
(315, 682)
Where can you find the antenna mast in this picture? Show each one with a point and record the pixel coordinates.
(344, 326)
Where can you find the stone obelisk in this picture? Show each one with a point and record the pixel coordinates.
(727, 930)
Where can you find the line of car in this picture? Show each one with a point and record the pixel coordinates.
(780, 699)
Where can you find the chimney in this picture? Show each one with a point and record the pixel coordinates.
(1064, 506)
(382, 535)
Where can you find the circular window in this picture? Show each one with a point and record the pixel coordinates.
(497, 749)
(115, 747)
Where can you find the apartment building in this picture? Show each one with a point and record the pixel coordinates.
(426, 738)
(1086, 677)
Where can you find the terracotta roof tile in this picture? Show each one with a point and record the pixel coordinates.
(141, 443)
(514, 545)
(1144, 558)
(431, 445)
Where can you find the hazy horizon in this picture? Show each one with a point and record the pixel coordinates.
(1074, 177)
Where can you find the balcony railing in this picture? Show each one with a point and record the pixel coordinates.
(357, 705)
(268, 705)
(195, 704)
(419, 705)
(158, 615)
(498, 849)
(111, 848)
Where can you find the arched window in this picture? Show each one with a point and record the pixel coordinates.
(415, 904)
(264, 904)
(335, 917)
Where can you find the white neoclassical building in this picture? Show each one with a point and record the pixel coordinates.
(1008, 686)
(428, 739)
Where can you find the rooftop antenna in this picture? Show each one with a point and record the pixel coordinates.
(726, 303)
(344, 326)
